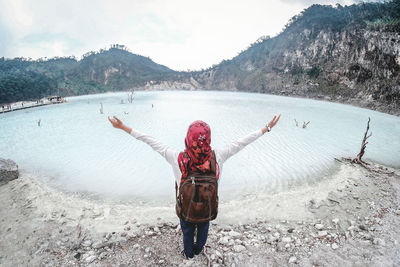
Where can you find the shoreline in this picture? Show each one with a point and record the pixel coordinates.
(351, 217)
(355, 102)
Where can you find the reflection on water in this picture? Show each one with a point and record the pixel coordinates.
(76, 149)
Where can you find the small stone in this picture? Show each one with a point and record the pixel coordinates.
(322, 233)
(290, 230)
(90, 258)
(234, 234)
(362, 227)
(147, 250)
(286, 239)
(126, 222)
(156, 229)
(335, 246)
(335, 221)
(319, 226)
(103, 255)
(223, 240)
(77, 256)
(292, 259)
(161, 261)
(124, 234)
(378, 241)
(239, 248)
(219, 254)
(127, 228)
(87, 243)
(98, 245)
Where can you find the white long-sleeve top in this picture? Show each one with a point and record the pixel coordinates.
(171, 155)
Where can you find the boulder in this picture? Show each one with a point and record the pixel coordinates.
(8, 171)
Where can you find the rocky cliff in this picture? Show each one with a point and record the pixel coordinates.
(347, 54)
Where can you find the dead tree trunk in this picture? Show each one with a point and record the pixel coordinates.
(131, 96)
(364, 143)
(305, 124)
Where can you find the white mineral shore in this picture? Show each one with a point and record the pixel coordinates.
(349, 218)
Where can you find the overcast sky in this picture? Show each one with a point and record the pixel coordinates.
(181, 34)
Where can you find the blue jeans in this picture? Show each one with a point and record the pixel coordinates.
(191, 248)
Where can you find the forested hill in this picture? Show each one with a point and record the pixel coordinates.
(106, 70)
(349, 54)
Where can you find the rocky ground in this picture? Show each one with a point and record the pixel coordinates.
(356, 223)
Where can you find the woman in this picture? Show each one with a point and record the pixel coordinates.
(198, 157)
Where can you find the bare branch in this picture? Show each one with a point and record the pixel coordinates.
(358, 159)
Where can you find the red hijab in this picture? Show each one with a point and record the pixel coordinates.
(197, 154)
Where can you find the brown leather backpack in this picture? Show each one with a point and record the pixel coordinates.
(197, 200)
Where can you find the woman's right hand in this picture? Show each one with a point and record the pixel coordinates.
(116, 123)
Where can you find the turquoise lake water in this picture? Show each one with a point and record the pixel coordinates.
(76, 149)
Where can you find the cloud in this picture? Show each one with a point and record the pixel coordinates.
(181, 34)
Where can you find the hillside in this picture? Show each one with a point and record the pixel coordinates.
(349, 54)
(114, 69)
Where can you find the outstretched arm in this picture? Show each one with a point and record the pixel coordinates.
(117, 123)
(169, 154)
(239, 144)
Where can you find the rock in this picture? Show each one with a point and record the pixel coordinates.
(77, 256)
(322, 233)
(98, 245)
(8, 171)
(319, 226)
(90, 258)
(239, 248)
(219, 254)
(286, 239)
(271, 239)
(87, 243)
(335, 221)
(378, 241)
(103, 255)
(335, 246)
(292, 259)
(127, 228)
(290, 230)
(362, 227)
(234, 234)
(223, 240)
(124, 234)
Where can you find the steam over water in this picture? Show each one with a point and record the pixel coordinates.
(76, 149)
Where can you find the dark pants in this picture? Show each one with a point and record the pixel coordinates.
(190, 247)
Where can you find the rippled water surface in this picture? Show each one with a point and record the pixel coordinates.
(77, 150)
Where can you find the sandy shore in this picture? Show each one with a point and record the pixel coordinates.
(349, 218)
